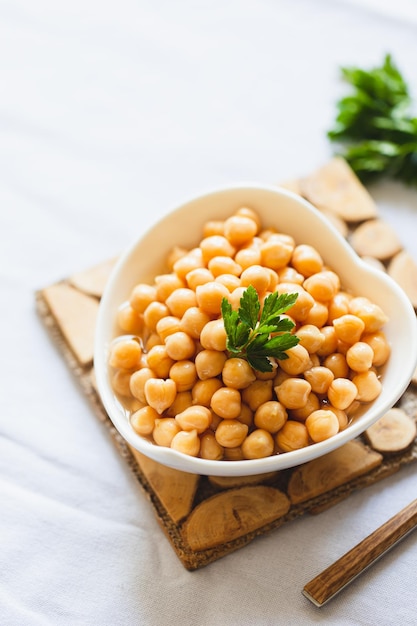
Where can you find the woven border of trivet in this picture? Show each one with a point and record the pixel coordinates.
(68, 309)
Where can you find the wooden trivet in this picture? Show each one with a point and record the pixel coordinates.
(206, 518)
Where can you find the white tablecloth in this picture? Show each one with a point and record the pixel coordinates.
(112, 113)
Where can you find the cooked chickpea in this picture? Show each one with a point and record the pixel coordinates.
(257, 276)
(233, 454)
(368, 386)
(196, 417)
(338, 306)
(322, 424)
(193, 321)
(237, 373)
(203, 390)
(245, 415)
(166, 284)
(216, 245)
(301, 414)
(292, 436)
(337, 364)
(180, 300)
(128, 320)
(143, 420)
(230, 281)
(165, 430)
(210, 296)
(231, 433)
(341, 393)
(317, 315)
(167, 325)
(310, 337)
(187, 263)
(226, 402)
(248, 256)
(180, 346)
(183, 400)
(297, 362)
(370, 313)
(293, 393)
(141, 297)
(213, 335)
(209, 363)
(198, 276)
(322, 286)
(329, 344)
(304, 303)
(258, 444)
(320, 377)
(152, 340)
(270, 416)
(239, 229)
(257, 393)
(175, 253)
(209, 447)
(306, 260)
(252, 214)
(235, 297)
(137, 382)
(342, 416)
(290, 275)
(160, 393)
(379, 345)
(360, 356)
(224, 265)
(154, 312)
(213, 227)
(125, 353)
(349, 328)
(159, 361)
(121, 382)
(276, 252)
(186, 442)
(184, 374)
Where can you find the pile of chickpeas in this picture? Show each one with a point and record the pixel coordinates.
(181, 389)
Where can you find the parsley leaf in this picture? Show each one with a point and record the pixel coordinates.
(259, 335)
(377, 135)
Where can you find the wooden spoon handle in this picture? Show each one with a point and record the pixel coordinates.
(338, 575)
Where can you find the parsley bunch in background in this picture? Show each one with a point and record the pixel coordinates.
(375, 125)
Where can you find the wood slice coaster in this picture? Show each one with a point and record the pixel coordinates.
(206, 517)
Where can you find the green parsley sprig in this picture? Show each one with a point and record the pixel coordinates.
(374, 124)
(257, 335)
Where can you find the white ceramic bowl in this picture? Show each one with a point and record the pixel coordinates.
(289, 214)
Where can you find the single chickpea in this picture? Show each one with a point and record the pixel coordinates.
(338, 306)
(301, 414)
(236, 296)
(349, 328)
(342, 416)
(230, 281)
(293, 393)
(213, 227)
(188, 263)
(216, 245)
(257, 276)
(276, 252)
(186, 442)
(137, 382)
(203, 390)
(210, 296)
(252, 214)
(336, 363)
(322, 424)
(233, 454)
(292, 436)
(159, 361)
(341, 393)
(368, 385)
(304, 303)
(310, 337)
(193, 322)
(215, 421)
(226, 402)
(154, 312)
(121, 382)
(258, 444)
(164, 431)
(143, 420)
(125, 353)
(246, 415)
(209, 363)
(360, 356)
(306, 260)
(224, 265)
(180, 300)
(370, 313)
(209, 448)
(199, 276)
(320, 378)
(180, 346)
(379, 345)
(297, 362)
(174, 254)
(167, 283)
(231, 433)
(213, 335)
(270, 416)
(160, 393)
(153, 339)
(167, 325)
(128, 320)
(317, 315)
(248, 256)
(322, 286)
(183, 400)
(289, 274)
(184, 374)
(237, 373)
(257, 393)
(240, 229)
(329, 344)
(141, 297)
(195, 417)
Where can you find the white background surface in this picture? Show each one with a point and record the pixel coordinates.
(110, 115)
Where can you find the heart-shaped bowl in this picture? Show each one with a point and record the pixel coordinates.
(287, 213)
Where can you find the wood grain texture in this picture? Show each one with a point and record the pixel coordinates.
(338, 575)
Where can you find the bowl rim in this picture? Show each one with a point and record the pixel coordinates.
(180, 461)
